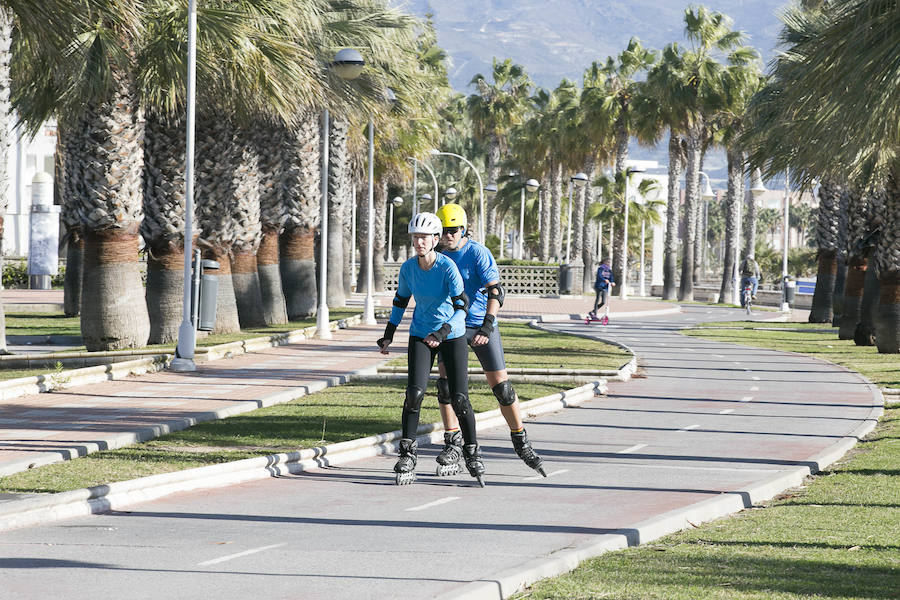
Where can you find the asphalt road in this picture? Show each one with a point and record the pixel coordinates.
(703, 420)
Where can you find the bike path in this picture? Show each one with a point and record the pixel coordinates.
(711, 428)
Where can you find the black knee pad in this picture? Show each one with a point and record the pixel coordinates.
(443, 390)
(414, 396)
(504, 392)
(461, 405)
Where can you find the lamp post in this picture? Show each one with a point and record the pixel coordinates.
(642, 277)
(416, 164)
(187, 338)
(530, 186)
(785, 307)
(623, 294)
(757, 189)
(450, 194)
(577, 180)
(706, 196)
(348, 63)
(396, 201)
(437, 152)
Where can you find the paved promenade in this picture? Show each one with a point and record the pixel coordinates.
(709, 428)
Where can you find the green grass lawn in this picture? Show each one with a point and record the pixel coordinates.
(334, 415)
(838, 536)
(525, 347)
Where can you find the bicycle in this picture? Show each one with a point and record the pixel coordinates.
(747, 297)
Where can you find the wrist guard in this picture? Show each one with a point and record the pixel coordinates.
(442, 333)
(389, 330)
(487, 327)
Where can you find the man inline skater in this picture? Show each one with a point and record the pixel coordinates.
(481, 279)
(438, 326)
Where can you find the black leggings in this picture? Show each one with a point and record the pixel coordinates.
(455, 355)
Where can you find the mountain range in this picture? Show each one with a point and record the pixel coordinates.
(559, 39)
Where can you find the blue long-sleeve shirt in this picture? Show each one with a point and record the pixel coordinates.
(477, 266)
(433, 290)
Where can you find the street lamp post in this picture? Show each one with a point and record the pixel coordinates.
(757, 189)
(187, 337)
(623, 294)
(437, 152)
(577, 180)
(416, 164)
(347, 64)
(396, 201)
(530, 185)
(707, 195)
(785, 307)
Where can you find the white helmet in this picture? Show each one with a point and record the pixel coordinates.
(425, 222)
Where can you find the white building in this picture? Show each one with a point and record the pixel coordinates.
(26, 157)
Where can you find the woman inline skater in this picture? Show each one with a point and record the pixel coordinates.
(438, 325)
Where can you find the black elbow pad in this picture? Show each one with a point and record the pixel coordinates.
(401, 301)
(496, 292)
(461, 302)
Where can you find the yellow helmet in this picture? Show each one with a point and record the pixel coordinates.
(452, 215)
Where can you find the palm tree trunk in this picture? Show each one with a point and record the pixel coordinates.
(114, 313)
(849, 198)
(691, 188)
(589, 231)
(165, 293)
(297, 266)
(338, 165)
(853, 293)
(577, 226)
(732, 199)
(864, 335)
(381, 192)
(227, 320)
(6, 31)
(362, 239)
(493, 173)
(74, 273)
(247, 292)
(670, 257)
(274, 309)
(822, 309)
(555, 211)
(545, 219)
(887, 326)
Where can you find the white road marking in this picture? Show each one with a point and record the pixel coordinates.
(689, 427)
(719, 355)
(551, 474)
(726, 411)
(755, 378)
(222, 559)
(435, 503)
(632, 449)
(755, 388)
(746, 398)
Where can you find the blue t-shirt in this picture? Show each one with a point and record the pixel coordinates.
(477, 266)
(433, 290)
(604, 277)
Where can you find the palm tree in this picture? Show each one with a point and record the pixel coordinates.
(494, 109)
(821, 91)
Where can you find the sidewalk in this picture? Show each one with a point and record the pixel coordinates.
(49, 427)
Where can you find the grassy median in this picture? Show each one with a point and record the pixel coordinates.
(838, 536)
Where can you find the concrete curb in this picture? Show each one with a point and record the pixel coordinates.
(36, 384)
(625, 372)
(511, 581)
(42, 509)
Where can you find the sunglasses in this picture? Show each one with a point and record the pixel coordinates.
(451, 230)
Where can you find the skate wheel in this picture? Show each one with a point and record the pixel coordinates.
(405, 478)
(605, 320)
(446, 470)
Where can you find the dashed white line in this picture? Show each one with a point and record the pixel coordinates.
(222, 559)
(719, 355)
(746, 398)
(755, 378)
(551, 474)
(689, 427)
(755, 388)
(632, 449)
(726, 411)
(432, 504)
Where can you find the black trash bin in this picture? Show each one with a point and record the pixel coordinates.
(790, 290)
(566, 279)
